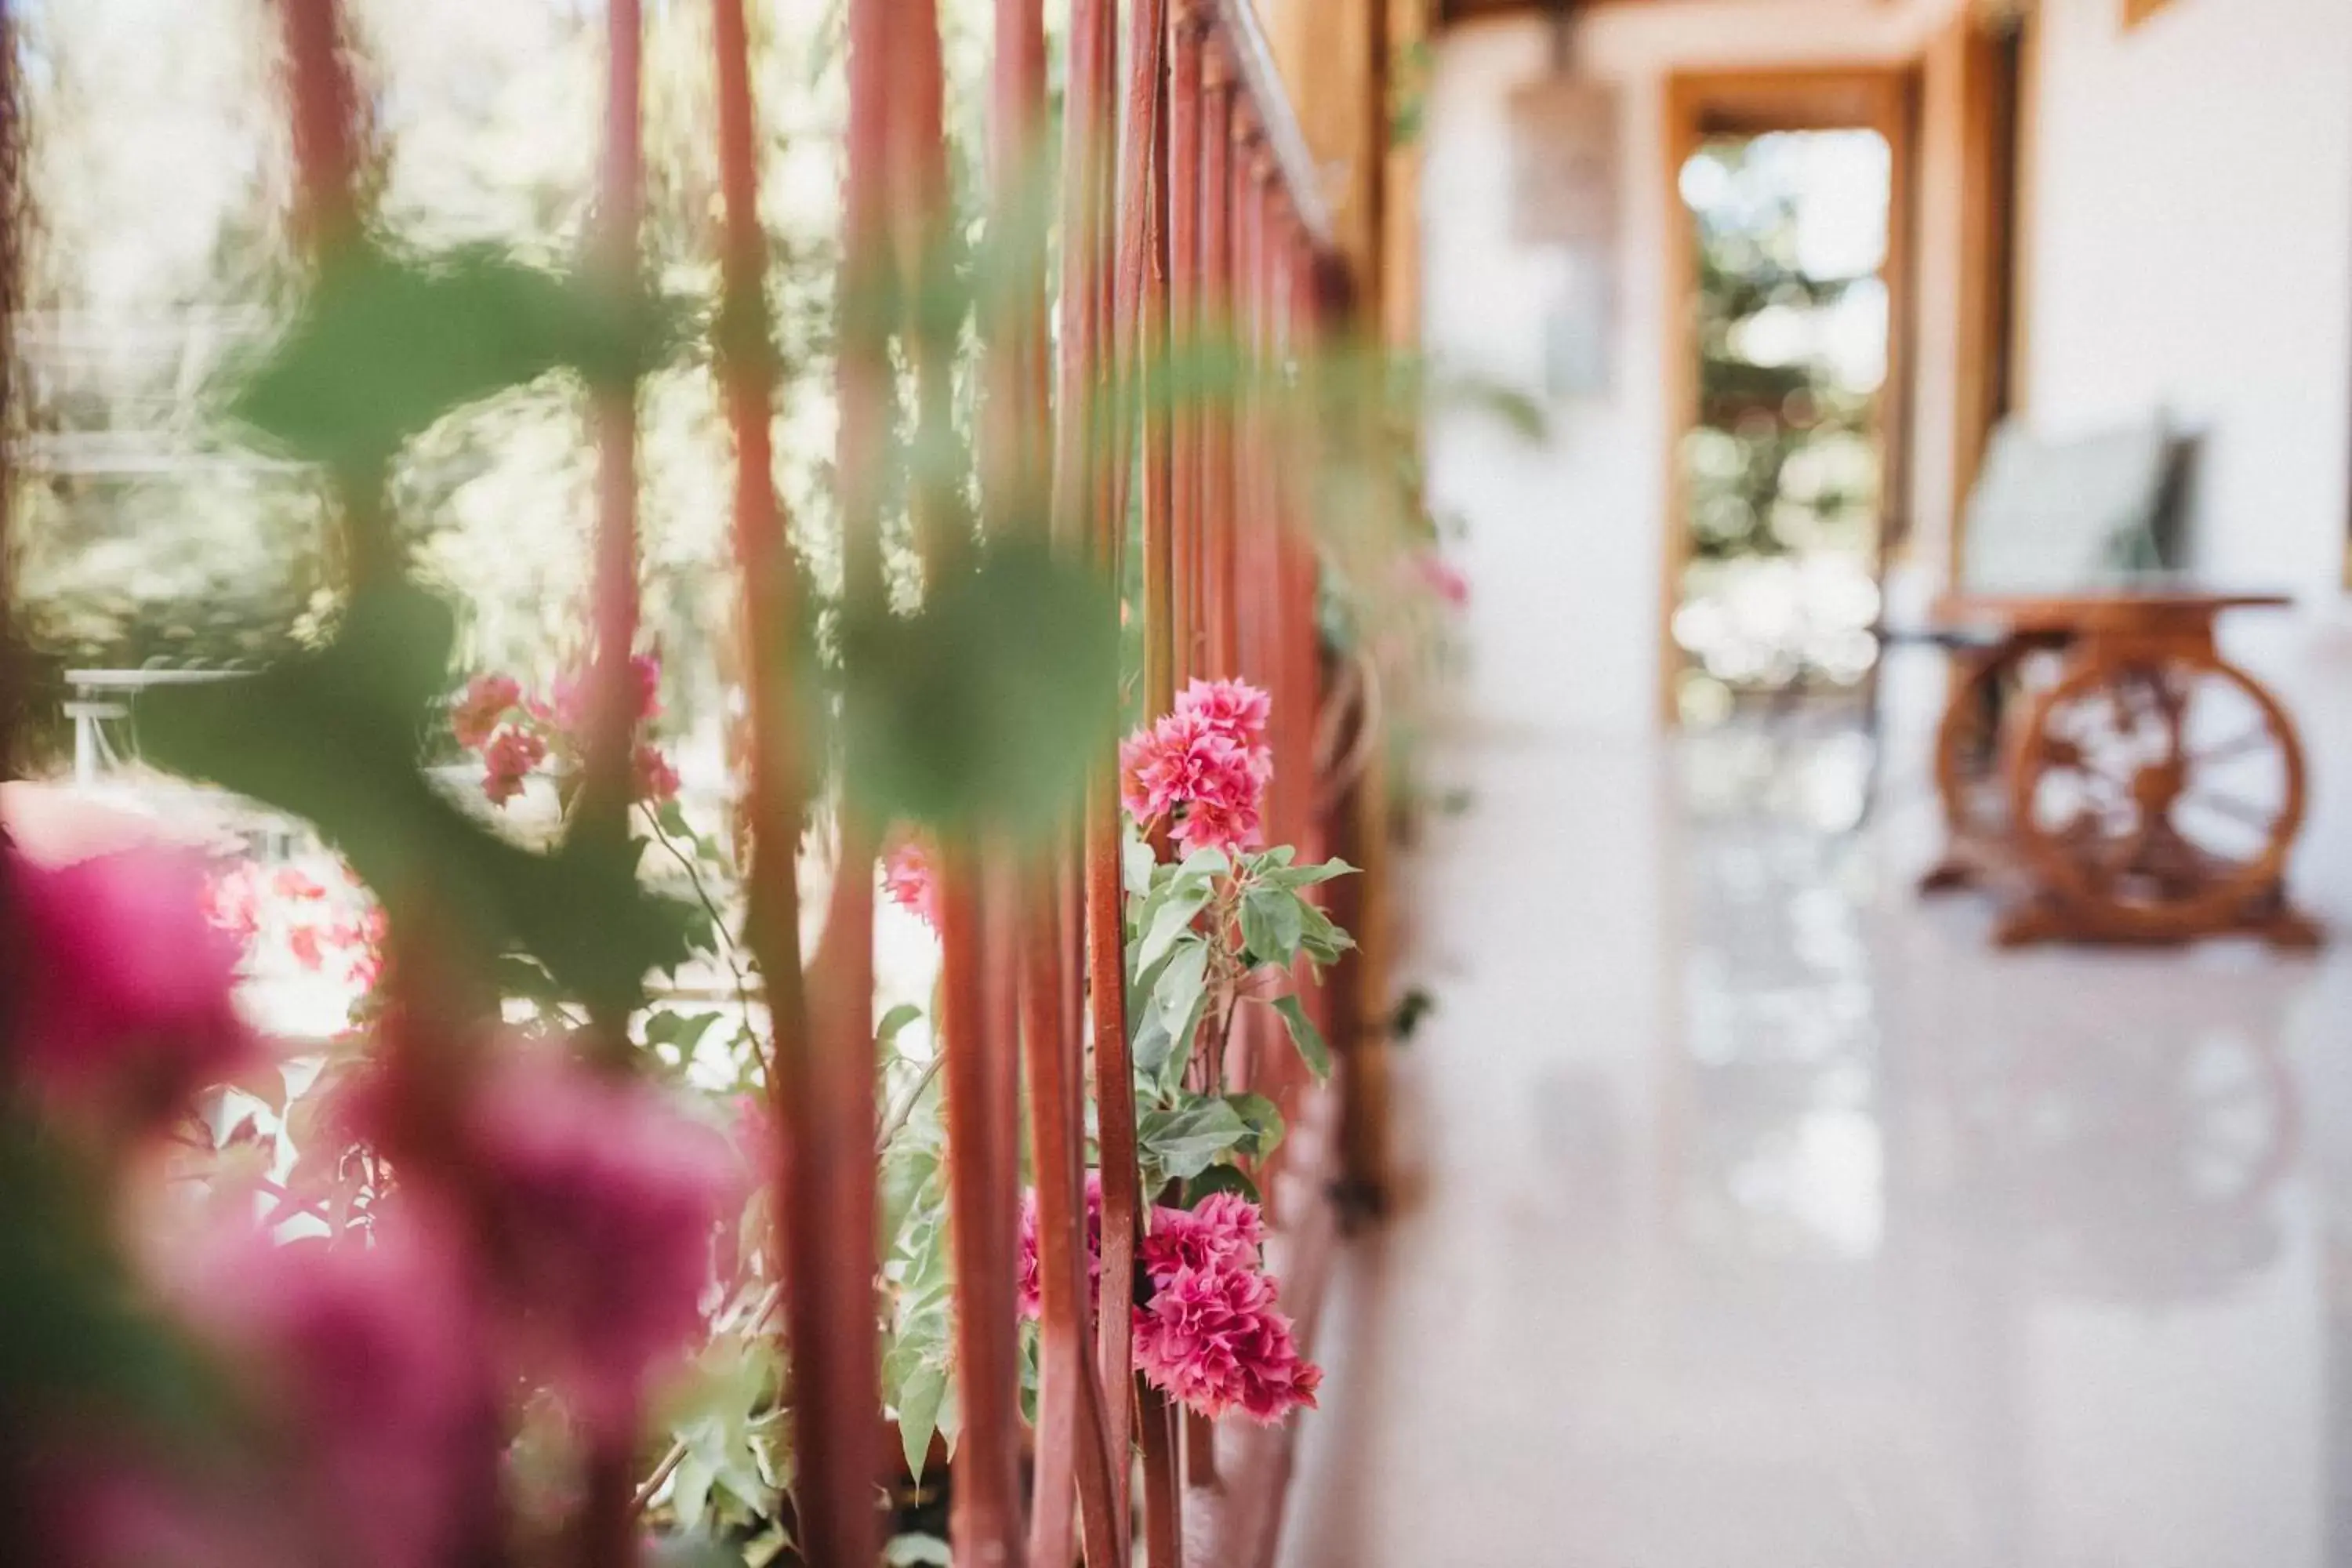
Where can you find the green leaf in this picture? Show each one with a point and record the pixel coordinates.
(1263, 1119)
(1204, 864)
(1171, 918)
(1272, 925)
(1182, 1142)
(384, 347)
(1288, 876)
(918, 1413)
(1136, 863)
(334, 736)
(681, 1031)
(986, 708)
(894, 1024)
(1304, 1036)
(917, 1552)
(1183, 987)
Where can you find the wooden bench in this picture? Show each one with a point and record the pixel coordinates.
(2097, 753)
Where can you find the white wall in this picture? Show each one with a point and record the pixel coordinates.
(1565, 553)
(2193, 250)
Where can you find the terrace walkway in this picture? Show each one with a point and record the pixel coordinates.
(1756, 1216)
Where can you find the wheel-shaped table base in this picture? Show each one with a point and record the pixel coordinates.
(2142, 788)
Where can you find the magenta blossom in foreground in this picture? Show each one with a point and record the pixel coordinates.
(360, 1354)
(911, 879)
(1212, 1338)
(605, 1198)
(124, 983)
(1033, 1290)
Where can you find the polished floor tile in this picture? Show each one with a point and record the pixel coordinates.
(1754, 1215)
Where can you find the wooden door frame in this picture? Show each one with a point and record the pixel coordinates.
(1863, 96)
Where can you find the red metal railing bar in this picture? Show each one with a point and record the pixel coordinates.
(771, 588)
(607, 1522)
(1188, 38)
(1073, 1423)
(827, 1088)
(1220, 607)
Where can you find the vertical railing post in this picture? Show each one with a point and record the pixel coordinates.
(1188, 40)
(1216, 328)
(826, 1087)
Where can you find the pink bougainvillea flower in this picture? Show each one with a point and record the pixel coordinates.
(1206, 825)
(363, 1354)
(1032, 1286)
(295, 884)
(488, 700)
(911, 879)
(233, 900)
(569, 710)
(1232, 708)
(1224, 1229)
(1186, 759)
(507, 763)
(1213, 1339)
(656, 779)
(604, 1198)
(125, 982)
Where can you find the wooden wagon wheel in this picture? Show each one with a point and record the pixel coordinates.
(2155, 797)
(1997, 684)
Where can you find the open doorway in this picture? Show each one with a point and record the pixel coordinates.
(1786, 365)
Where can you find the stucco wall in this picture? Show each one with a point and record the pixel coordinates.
(2192, 251)
(1565, 538)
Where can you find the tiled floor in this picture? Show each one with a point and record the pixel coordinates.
(1759, 1217)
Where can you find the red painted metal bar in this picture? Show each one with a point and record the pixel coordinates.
(986, 1518)
(1072, 1449)
(326, 152)
(771, 587)
(613, 709)
(827, 1088)
(1188, 39)
(1015, 413)
(607, 1519)
(1139, 342)
(1216, 314)
(12, 236)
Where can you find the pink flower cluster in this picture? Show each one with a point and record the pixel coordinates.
(1032, 1285)
(910, 878)
(1211, 1335)
(337, 932)
(514, 732)
(364, 1350)
(602, 1201)
(1204, 768)
(122, 986)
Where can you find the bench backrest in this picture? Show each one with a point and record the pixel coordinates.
(2074, 515)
